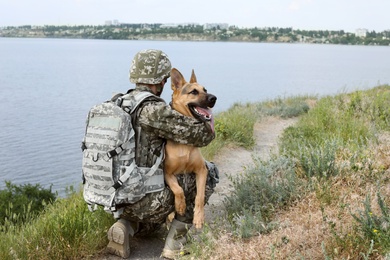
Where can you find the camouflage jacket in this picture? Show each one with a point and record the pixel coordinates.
(155, 122)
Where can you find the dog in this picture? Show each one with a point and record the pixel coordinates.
(190, 99)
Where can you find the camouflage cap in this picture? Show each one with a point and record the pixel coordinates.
(150, 67)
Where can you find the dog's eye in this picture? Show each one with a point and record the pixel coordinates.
(194, 92)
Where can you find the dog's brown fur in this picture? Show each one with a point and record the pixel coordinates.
(180, 158)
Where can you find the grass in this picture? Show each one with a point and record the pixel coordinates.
(233, 127)
(325, 194)
(64, 230)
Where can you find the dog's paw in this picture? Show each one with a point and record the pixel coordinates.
(198, 222)
(180, 207)
(198, 217)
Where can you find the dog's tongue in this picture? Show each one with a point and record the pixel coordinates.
(212, 123)
(207, 114)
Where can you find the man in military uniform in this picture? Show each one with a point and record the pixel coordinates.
(154, 123)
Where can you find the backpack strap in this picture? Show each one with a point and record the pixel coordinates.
(121, 147)
(129, 105)
(126, 176)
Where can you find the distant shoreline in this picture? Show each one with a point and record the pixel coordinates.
(198, 34)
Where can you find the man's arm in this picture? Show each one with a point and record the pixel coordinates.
(159, 118)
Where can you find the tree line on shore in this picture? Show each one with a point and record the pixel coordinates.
(198, 33)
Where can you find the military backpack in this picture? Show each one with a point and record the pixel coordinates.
(110, 174)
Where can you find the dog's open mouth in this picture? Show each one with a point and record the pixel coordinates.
(203, 114)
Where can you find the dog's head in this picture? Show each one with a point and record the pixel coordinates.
(190, 98)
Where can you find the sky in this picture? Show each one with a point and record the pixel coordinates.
(347, 15)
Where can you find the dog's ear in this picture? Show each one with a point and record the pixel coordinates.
(193, 77)
(177, 79)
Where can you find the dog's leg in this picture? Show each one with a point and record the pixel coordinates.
(180, 202)
(201, 177)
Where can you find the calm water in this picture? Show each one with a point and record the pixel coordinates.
(48, 85)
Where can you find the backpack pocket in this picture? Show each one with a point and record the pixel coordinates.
(97, 174)
(139, 184)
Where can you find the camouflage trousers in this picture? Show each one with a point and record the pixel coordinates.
(152, 210)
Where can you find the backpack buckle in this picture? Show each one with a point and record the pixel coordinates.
(119, 101)
(114, 152)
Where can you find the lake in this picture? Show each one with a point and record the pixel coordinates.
(48, 85)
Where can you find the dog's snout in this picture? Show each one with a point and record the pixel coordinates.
(211, 100)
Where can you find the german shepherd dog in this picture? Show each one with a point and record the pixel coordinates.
(190, 99)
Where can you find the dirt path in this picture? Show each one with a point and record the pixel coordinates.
(230, 162)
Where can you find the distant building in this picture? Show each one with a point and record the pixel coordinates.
(221, 26)
(175, 25)
(108, 22)
(361, 32)
(169, 25)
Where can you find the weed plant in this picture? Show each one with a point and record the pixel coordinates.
(285, 107)
(19, 203)
(373, 226)
(263, 189)
(319, 161)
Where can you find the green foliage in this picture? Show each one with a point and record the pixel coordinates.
(285, 108)
(65, 230)
(191, 31)
(19, 203)
(326, 121)
(374, 227)
(201, 243)
(236, 125)
(372, 105)
(348, 121)
(257, 194)
(319, 160)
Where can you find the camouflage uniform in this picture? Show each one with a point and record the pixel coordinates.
(155, 122)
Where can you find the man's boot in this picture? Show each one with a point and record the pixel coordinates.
(118, 235)
(176, 238)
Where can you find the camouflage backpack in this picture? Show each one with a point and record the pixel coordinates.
(110, 175)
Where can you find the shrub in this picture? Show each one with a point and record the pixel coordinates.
(257, 194)
(236, 125)
(374, 226)
(66, 229)
(285, 108)
(19, 203)
(319, 161)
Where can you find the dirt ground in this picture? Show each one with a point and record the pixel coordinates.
(230, 162)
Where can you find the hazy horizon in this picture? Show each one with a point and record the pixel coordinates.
(344, 15)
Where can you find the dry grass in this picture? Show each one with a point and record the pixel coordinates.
(305, 230)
